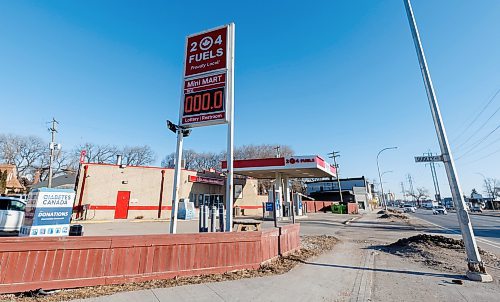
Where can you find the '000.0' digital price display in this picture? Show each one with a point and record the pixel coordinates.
(207, 101)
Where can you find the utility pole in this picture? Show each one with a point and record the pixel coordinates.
(334, 155)
(410, 182)
(434, 179)
(477, 271)
(278, 153)
(52, 146)
(403, 191)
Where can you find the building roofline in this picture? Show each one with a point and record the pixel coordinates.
(334, 180)
(131, 166)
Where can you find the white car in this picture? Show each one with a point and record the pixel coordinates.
(409, 208)
(439, 210)
(11, 213)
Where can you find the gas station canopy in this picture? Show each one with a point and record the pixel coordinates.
(312, 166)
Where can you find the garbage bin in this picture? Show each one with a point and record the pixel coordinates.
(76, 230)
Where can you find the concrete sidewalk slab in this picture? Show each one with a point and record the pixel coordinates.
(353, 271)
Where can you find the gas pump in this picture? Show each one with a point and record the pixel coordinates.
(211, 209)
(277, 200)
(204, 204)
(297, 204)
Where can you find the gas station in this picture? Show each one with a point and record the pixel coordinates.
(281, 170)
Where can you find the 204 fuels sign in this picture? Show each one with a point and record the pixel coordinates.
(206, 68)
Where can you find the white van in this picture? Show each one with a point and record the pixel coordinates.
(11, 213)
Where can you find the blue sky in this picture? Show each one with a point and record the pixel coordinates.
(315, 75)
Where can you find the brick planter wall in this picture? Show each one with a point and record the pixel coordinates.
(68, 262)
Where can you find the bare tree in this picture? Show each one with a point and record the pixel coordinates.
(97, 153)
(261, 151)
(195, 161)
(138, 155)
(265, 151)
(64, 162)
(168, 161)
(204, 161)
(491, 186)
(421, 193)
(25, 152)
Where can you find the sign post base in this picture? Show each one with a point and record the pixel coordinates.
(480, 277)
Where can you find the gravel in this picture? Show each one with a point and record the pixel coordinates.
(311, 246)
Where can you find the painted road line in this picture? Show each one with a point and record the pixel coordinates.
(485, 241)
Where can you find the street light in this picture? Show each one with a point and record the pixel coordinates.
(380, 176)
(383, 173)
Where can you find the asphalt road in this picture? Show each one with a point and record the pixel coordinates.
(486, 227)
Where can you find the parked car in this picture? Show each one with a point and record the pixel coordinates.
(428, 206)
(439, 210)
(409, 208)
(11, 213)
(476, 209)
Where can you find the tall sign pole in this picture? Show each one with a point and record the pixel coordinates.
(230, 132)
(207, 98)
(476, 270)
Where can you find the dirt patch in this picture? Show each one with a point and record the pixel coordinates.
(394, 216)
(310, 246)
(439, 252)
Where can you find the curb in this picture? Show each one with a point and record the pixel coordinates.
(351, 220)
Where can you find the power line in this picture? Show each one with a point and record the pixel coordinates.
(474, 146)
(477, 115)
(479, 129)
(481, 158)
(489, 145)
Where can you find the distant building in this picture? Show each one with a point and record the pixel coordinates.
(357, 190)
(64, 181)
(13, 185)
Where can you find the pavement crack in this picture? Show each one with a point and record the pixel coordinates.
(215, 292)
(154, 294)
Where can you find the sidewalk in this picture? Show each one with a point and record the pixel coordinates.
(352, 271)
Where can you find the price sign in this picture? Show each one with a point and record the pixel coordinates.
(206, 81)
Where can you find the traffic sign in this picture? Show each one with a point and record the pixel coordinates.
(428, 159)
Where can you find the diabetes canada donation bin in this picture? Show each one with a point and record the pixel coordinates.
(48, 213)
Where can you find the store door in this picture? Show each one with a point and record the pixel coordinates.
(122, 200)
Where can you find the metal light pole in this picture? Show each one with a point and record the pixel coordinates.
(181, 133)
(380, 176)
(476, 270)
(383, 173)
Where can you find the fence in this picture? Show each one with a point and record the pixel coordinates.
(68, 262)
(325, 206)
